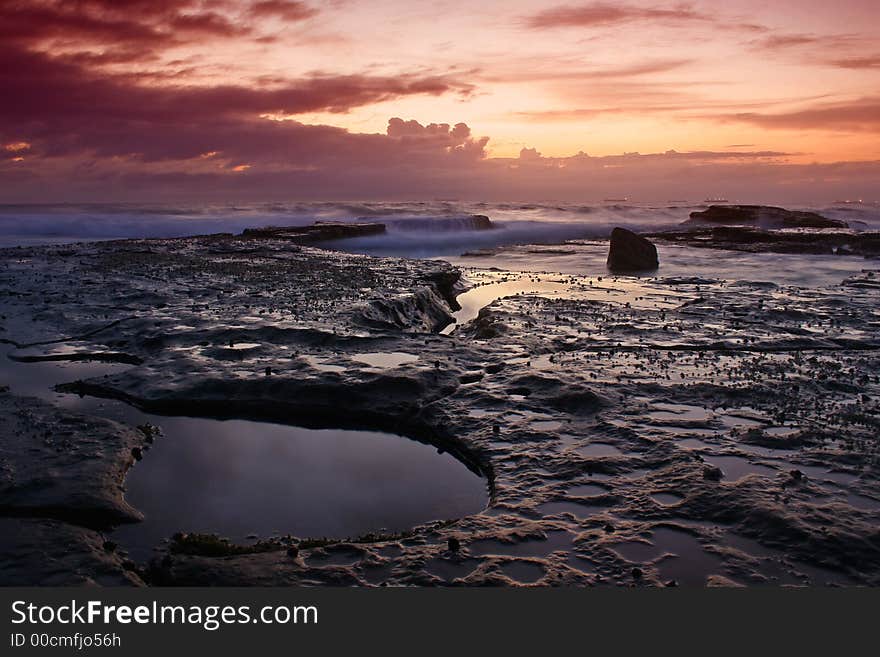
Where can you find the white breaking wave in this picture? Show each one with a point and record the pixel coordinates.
(418, 229)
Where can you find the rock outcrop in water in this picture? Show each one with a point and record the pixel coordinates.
(763, 216)
(755, 240)
(631, 252)
(320, 231)
(441, 224)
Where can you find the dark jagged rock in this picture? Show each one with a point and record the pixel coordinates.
(481, 222)
(424, 310)
(712, 473)
(631, 252)
(442, 224)
(764, 216)
(755, 240)
(320, 231)
(448, 284)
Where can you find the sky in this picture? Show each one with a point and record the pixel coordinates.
(224, 100)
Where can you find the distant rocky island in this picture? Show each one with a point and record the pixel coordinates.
(767, 229)
(762, 216)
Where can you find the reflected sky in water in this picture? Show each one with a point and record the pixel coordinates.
(239, 478)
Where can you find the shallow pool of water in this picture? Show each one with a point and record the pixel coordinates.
(685, 560)
(239, 478)
(523, 572)
(385, 359)
(531, 547)
(737, 467)
(479, 297)
(598, 449)
(667, 499)
(321, 365)
(589, 259)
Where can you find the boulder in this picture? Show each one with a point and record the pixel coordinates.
(631, 252)
(763, 216)
(481, 222)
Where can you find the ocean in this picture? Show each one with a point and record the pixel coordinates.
(549, 237)
(415, 229)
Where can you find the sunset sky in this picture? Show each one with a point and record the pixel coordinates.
(273, 99)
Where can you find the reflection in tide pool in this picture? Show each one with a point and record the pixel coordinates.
(240, 478)
(385, 360)
(479, 297)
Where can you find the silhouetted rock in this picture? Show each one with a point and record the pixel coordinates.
(764, 216)
(631, 252)
(320, 231)
(712, 473)
(442, 224)
(480, 222)
(756, 240)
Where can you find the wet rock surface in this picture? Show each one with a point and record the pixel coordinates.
(594, 407)
(56, 464)
(41, 552)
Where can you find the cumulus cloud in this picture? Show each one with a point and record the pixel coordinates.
(66, 115)
(100, 102)
(61, 106)
(294, 161)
